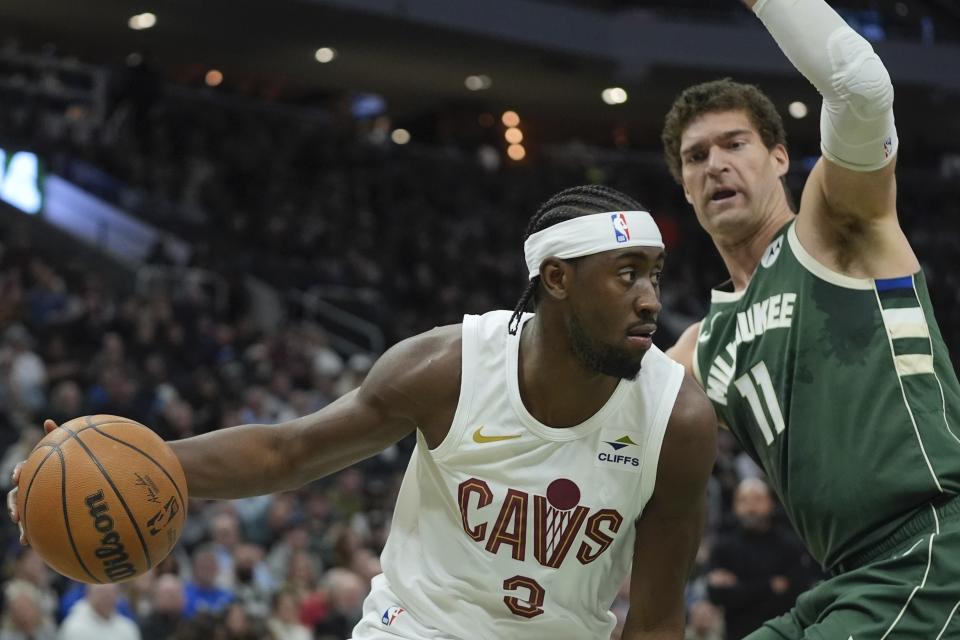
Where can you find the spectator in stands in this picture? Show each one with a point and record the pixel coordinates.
(238, 624)
(202, 592)
(96, 617)
(225, 537)
(704, 622)
(31, 579)
(284, 622)
(168, 603)
(66, 401)
(23, 375)
(253, 585)
(19, 450)
(24, 619)
(345, 593)
(756, 571)
(302, 580)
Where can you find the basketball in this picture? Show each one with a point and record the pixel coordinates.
(102, 499)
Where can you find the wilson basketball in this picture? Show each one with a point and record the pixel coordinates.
(102, 499)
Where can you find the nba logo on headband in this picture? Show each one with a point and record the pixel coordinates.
(620, 228)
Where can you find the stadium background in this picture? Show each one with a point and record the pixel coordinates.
(221, 212)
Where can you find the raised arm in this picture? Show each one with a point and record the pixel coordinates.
(414, 384)
(848, 210)
(668, 532)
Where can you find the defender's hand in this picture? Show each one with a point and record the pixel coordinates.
(48, 426)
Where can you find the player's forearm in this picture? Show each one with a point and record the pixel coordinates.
(233, 463)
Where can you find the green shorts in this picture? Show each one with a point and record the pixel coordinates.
(910, 593)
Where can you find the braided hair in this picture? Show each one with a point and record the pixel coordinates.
(566, 205)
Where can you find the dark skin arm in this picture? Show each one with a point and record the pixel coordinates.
(668, 532)
(414, 385)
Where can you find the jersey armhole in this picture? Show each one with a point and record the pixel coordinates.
(468, 359)
(658, 429)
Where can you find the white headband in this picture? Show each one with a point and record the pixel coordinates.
(586, 235)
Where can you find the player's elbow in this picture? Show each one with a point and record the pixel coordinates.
(860, 78)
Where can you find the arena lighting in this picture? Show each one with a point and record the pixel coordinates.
(400, 136)
(325, 54)
(213, 78)
(614, 95)
(21, 181)
(142, 21)
(797, 110)
(516, 152)
(513, 135)
(510, 119)
(478, 83)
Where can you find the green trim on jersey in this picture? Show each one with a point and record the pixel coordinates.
(842, 389)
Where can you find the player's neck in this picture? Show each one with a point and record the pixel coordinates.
(555, 387)
(741, 255)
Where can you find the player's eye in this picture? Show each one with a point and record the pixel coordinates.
(627, 274)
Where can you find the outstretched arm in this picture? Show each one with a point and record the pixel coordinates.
(668, 532)
(851, 193)
(412, 385)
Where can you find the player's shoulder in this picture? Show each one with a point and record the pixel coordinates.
(419, 379)
(433, 353)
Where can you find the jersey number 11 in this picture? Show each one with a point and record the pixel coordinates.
(748, 390)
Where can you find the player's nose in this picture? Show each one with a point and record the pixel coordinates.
(647, 303)
(716, 161)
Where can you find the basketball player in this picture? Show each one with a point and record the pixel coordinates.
(821, 353)
(548, 460)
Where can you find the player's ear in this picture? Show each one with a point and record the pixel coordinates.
(780, 159)
(555, 277)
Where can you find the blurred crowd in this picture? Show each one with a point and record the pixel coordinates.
(321, 200)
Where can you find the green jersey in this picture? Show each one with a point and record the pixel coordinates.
(841, 389)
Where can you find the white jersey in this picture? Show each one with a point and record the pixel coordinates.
(513, 529)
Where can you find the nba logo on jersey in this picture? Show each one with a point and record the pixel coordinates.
(620, 228)
(391, 614)
(887, 147)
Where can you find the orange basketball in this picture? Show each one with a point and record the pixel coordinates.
(102, 499)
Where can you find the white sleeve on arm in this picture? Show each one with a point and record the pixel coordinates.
(857, 130)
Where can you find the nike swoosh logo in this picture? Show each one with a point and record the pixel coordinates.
(479, 438)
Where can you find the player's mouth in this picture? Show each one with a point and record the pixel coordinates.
(723, 195)
(641, 334)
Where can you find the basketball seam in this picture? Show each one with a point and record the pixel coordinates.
(66, 518)
(26, 495)
(123, 503)
(146, 455)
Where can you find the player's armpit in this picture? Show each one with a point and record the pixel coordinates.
(414, 384)
(669, 531)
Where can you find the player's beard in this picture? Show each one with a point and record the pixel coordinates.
(598, 356)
